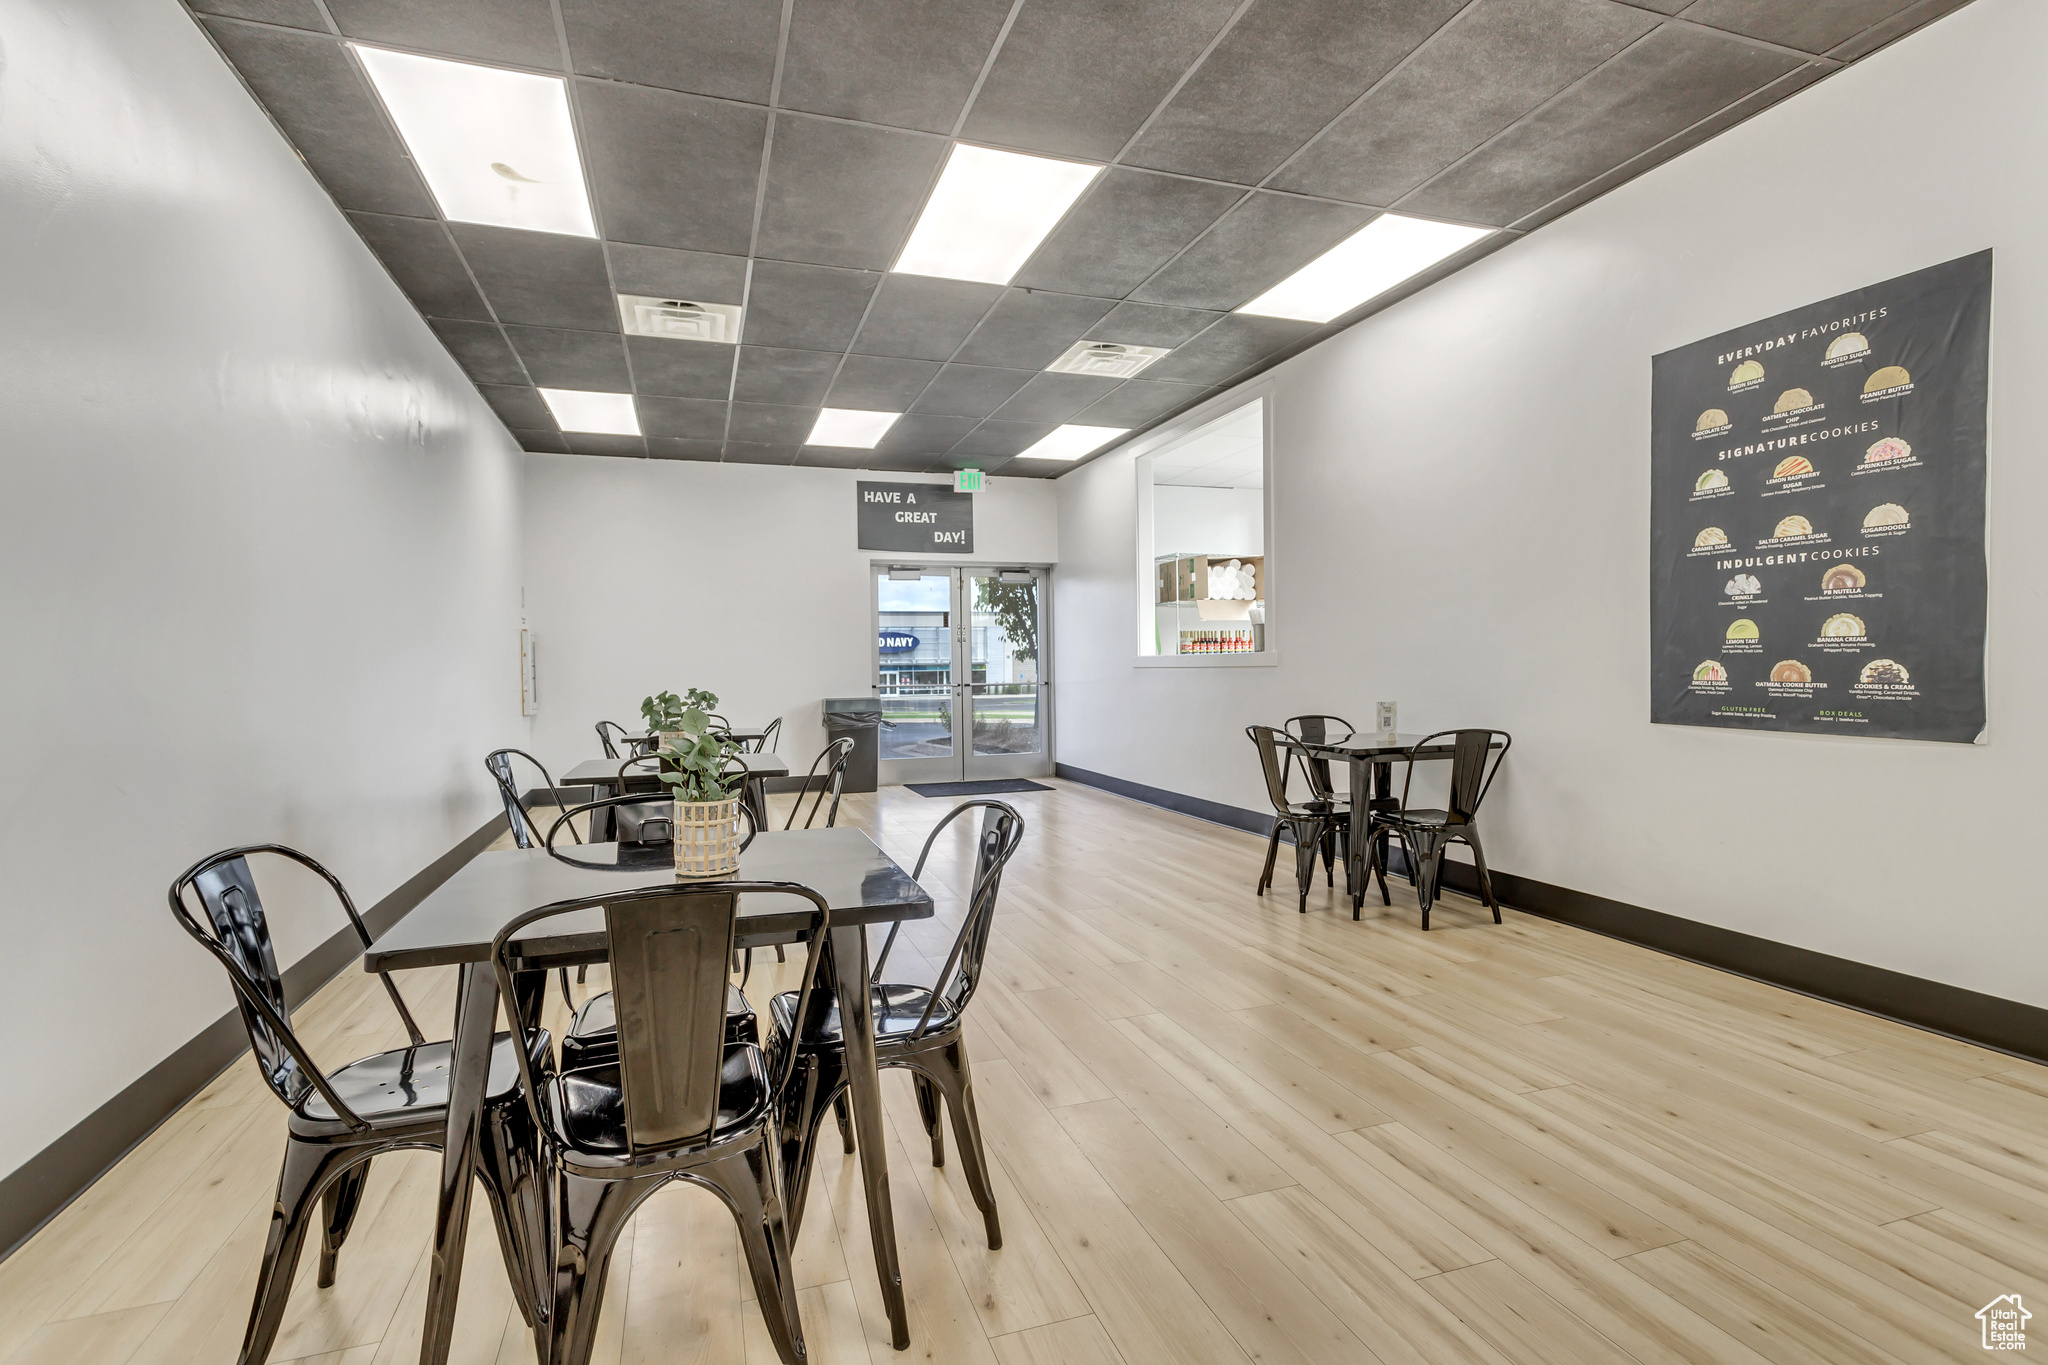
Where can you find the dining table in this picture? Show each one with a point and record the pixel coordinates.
(604, 772)
(1371, 757)
(751, 735)
(456, 922)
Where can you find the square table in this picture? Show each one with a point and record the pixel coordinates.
(456, 922)
(1367, 751)
(604, 772)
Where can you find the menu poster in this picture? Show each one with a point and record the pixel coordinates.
(1817, 516)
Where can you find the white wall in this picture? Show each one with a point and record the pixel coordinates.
(746, 580)
(258, 541)
(1214, 521)
(1462, 526)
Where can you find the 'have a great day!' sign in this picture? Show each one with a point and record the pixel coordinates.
(917, 517)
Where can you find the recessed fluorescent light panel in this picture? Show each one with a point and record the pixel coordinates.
(679, 319)
(1386, 251)
(1107, 359)
(989, 212)
(1071, 442)
(850, 428)
(495, 146)
(608, 414)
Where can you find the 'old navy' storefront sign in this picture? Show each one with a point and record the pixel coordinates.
(898, 642)
(917, 517)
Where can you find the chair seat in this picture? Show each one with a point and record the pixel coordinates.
(588, 1106)
(410, 1084)
(1319, 810)
(897, 1010)
(1424, 819)
(593, 1037)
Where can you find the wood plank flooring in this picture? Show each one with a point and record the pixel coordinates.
(1221, 1131)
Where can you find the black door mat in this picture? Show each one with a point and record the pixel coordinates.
(992, 788)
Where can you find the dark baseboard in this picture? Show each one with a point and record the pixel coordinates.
(1970, 1016)
(39, 1189)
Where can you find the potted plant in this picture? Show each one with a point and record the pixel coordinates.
(693, 764)
(664, 711)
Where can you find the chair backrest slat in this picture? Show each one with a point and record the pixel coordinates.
(668, 967)
(1475, 762)
(498, 763)
(833, 758)
(1002, 830)
(1273, 761)
(228, 892)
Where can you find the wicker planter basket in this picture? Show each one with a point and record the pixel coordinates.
(707, 839)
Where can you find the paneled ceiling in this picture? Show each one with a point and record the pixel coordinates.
(775, 154)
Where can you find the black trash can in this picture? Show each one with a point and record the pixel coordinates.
(860, 720)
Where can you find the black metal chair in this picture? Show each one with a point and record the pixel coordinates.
(604, 737)
(771, 738)
(1316, 769)
(592, 1037)
(1311, 823)
(498, 763)
(341, 1120)
(833, 757)
(679, 1101)
(1426, 833)
(916, 1027)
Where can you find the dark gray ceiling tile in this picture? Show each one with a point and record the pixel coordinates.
(768, 374)
(987, 464)
(558, 359)
(1054, 397)
(1284, 70)
(1150, 324)
(1235, 342)
(875, 383)
(479, 347)
(923, 318)
(1036, 469)
(317, 95)
(832, 457)
(930, 50)
(595, 443)
(1027, 331)
(1130, 224)
(918, 433)
(517, 31)
(708, 47)
(291, 13)
(542, 442)
(662, 273)
(806, 307)
(1002, 438)
(417, 253)
(1138, 402)
(681, 369)
(843, 193)
(520, 408)
(672, 169)
(970, 390)
(674, 448)
(541, 279)
(899, 463)
(759, 452)
(1077, 77)
(766, 425)
(1670, 80)
(1256, 245)
(1498, 61)
(697, 419)
(1811, 25)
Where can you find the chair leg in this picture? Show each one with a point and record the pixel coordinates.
(1485, 879)
(955, 1079)
(339, 1207)
(844, 1115)
(308, 1167)
(751, 1184)
(1272, 854)
(589, 1216)
(928, 1111)
(514, 1183)
(1308, 836)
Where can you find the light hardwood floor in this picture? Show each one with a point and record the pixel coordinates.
(1221, 1132)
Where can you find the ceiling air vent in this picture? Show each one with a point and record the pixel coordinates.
(679, 319)
(1105, 359)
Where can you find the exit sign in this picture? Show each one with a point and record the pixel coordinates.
(967, 480)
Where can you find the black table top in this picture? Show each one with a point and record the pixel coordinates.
(1368, 744)
(595, 770)
(458, 919)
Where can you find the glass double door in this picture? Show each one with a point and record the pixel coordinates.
(960, 667)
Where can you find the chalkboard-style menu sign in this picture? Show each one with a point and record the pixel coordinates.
(914, 517)
(1817, 516)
